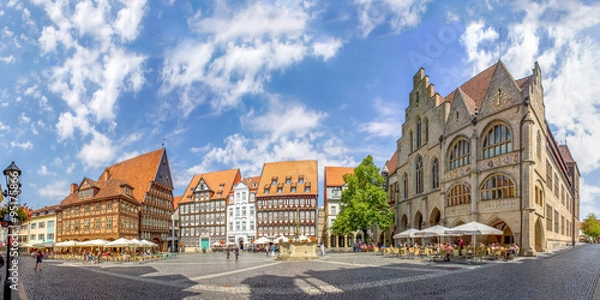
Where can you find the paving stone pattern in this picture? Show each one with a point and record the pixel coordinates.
(571, 273)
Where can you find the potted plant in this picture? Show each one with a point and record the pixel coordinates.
(23, 214)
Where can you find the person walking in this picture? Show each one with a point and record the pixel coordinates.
(267, 250)
(38, 260)
(228, 252)
(237, 253)
(322, 250)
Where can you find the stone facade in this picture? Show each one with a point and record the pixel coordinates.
(485, 153)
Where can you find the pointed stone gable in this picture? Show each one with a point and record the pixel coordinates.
(215, 181)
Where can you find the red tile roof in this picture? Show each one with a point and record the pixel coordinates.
(334, 176)
(176, 201)
(104, 189)
(300, 169)
(566, 154)
(392, 164)
(139, 172)
(214, 180)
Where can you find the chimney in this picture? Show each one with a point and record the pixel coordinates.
(74, 187)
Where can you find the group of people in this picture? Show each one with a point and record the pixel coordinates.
(236, 251)
(363, 247)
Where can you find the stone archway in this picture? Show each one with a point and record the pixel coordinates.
(435, 217)
(403, 223)
(418, 220)
(507, 236)
(540, 238)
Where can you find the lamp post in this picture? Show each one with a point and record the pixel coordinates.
(12, 173)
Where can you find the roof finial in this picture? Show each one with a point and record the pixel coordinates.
(163, 142)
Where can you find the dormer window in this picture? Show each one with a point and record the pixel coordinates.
(274, 180)
(280, 190)
(288, 179)
(307, 189)
(266, 191)
(89, 193)
(127, 190)
(293, 190)
(301, 179)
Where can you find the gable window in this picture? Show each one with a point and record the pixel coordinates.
(497, 187)
(435, 174)
(86, 193)
(419, 175)
(459, 154)
(497, 141)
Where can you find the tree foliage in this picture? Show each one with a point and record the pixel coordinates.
(364, 202)
(590, 226)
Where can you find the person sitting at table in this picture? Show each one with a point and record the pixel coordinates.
(512, 250)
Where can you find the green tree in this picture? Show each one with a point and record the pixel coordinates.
(590, 226)
(365, 202)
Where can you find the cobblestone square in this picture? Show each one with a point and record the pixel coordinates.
(568, 274)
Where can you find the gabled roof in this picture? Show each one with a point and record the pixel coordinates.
(566, 154)
(139, 172)
(105, 189)
(46, 209)
(392, 164)
(334, 176)
(299, 170)
(214, 181)
(477, 86)
(176, 201)
(521, 83)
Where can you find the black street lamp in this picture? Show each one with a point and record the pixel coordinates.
(12, 173)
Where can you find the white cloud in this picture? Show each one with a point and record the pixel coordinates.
(44, 171)
(476, 36)
(398, 15)
(98, 152)
(4, 127)
(70, 168)
(57, 189)
(386, 122)
(97, 68)
(25, 146)
(286, 131)
(589, 199)
(237, 51)
(327, 49)
(8, 59)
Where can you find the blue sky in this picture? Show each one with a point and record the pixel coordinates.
(234, 84)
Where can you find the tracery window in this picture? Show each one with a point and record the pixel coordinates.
(496, 187)
(459, 154)
(497, 141)
(459, 194)
(435, 174)
(419, 175)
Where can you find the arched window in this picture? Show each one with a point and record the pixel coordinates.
(459, 154)
(419, 175)
(539, 196)
(418, 141)
(459, 194)
(410, 146)
(435, 174)
(426, 125)
(497, 186)
(404, 186)
(497, 141)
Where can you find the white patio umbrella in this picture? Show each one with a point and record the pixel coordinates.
(122, 242)
(93, 243)
(135, 242)
(216, 244)
(262, 240)
(67, 244)
(42, 245)
(148, 243)
(409, 233)
(474, 228)
(302, 238)
(437, 230)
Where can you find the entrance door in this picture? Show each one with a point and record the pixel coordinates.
(205, 243)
